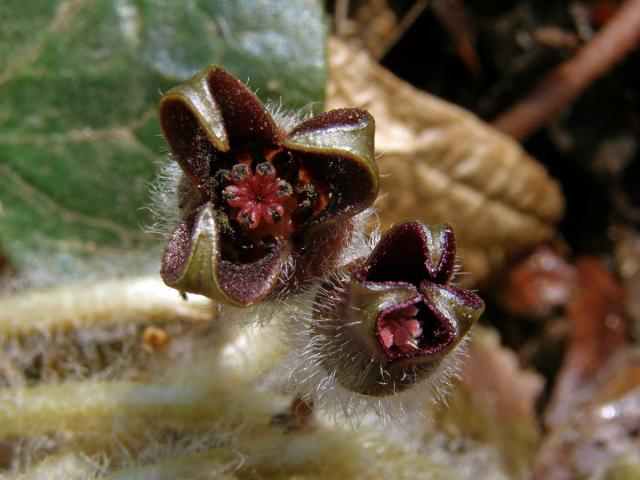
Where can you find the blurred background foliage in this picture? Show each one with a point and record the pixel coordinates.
(80, 143)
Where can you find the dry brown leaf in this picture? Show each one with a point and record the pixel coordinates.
(440, 163)
(600, 433)
(627, 252)
(594, 414)
(541, 283)
(598, 333)
(495, 403)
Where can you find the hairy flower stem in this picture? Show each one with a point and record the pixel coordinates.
(127, 301)
(65, 465)
(98, 412)
(244, 354)
(321, 453)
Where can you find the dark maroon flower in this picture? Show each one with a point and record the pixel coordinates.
(396, 314)
(253, 195)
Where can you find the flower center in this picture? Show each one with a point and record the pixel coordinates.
(262, 200)
(401, 329)
(260, 197)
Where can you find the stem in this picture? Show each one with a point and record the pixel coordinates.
(246, 354)
(321, 453)
(101, 304)
(218, 463)
(565, 83)
(100, 410)
(60, 466)
(97, 414)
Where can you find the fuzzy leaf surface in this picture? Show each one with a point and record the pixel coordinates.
(79, 138)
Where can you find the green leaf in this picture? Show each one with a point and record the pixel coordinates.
(79, 85)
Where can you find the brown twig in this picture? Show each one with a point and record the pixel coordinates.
(411, 16)
(340, 17)
(565, 83)
(456, 19)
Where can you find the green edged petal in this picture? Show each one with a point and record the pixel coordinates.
(209, 113)
(441, 251)
(459, 307)
(336, 148)
(412, 252)
(367, 301)
(192, 263)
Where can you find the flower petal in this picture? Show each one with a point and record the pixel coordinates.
(412, 252)
(451, 312)
(455, 306)
(336, 149)
(192, 263)
(246, 120)
(209, 113)
(441, 251)
(248, 283)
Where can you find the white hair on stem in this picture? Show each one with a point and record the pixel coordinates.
(287, 119)
(164, 199)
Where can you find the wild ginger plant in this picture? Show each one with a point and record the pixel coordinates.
(273, 212)
(274, 229)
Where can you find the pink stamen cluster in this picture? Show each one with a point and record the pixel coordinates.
(401, 329)
(259, 196)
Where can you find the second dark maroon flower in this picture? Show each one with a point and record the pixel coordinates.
(394, 318)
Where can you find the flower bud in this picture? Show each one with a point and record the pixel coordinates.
(393, 320)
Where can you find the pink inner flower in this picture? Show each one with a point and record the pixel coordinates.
(259, 196)
(401, 329)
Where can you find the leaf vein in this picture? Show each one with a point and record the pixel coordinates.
(26, 55)
(40, 200)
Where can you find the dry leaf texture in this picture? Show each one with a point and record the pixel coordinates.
(440, 163)
(495, 403)
(598, 333)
